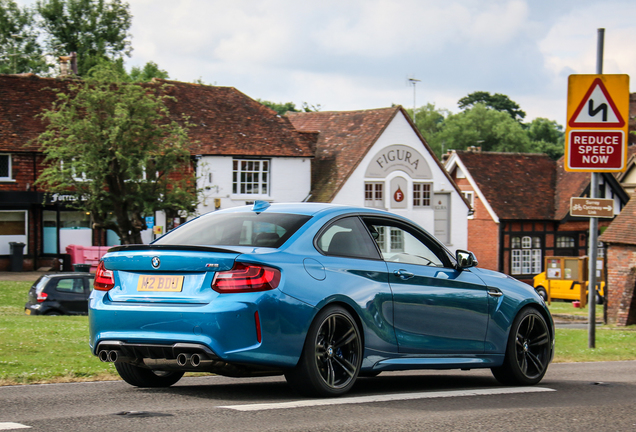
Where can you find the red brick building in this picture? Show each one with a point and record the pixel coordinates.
(225, 123)
(620, 239)
(521, 208)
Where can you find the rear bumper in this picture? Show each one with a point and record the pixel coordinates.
(227, 326)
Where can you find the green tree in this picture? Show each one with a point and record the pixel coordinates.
(498, 102)
(114, 144)
(94, 29)
(429, 120)
(147, 73)
(280, 108)
(20, 51)
(482, 127)
(547, 137)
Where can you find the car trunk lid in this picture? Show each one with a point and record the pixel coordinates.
(166, 274)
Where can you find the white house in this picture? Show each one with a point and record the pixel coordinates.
(377, 158)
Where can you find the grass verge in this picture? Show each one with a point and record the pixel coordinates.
(46, 349)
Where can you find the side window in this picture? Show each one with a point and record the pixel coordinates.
(347, 237)
(73, 285)
(399, 244)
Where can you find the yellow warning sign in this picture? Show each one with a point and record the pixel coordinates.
(597, 127)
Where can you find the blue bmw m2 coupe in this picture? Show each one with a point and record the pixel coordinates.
(319, 293)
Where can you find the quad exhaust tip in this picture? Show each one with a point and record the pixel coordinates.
(183, 359)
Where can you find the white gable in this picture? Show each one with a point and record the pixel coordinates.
(412, 184)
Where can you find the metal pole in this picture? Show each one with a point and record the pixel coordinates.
(414, 81)
(593, 238)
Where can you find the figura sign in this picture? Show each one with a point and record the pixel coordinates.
(398, 158)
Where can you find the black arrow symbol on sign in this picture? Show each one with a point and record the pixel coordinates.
(592, 111)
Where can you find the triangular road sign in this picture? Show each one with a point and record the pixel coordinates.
(597, 109)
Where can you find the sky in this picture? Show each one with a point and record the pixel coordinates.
(359, 54)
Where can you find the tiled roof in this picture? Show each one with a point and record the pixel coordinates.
(568, 185)
(517, 185)
(226, 122)
(22, 97)
(344, 139)
(623, 228)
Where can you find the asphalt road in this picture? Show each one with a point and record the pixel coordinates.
(572, 397)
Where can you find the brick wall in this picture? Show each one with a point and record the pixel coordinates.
(621, 279)
(483, 232)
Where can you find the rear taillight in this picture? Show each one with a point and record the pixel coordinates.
(246, 278)
(42, 297)
(104, 279)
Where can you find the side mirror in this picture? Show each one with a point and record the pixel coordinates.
(465, 259)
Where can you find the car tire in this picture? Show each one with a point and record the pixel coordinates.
(599, 298)
(142, 377)
(330, 361)
(542, 293)
(528, 351)
(53, 313)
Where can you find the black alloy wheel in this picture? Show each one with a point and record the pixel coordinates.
(528, 351)
(332, 355)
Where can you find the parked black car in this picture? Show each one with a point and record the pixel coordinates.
(60, 294)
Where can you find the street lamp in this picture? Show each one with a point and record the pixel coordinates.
(414, 82)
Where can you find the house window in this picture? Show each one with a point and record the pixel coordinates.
(250, 177)
(79, 178)
(421, 194)
(470, 196)
(373, 194)
(5, 167)
(526, 255)
(563, 242)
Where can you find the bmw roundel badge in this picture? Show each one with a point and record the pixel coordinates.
(156, 262)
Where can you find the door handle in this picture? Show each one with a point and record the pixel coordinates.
(495, 292)
(403, 274)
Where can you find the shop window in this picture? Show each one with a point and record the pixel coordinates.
(526, 255)
(49, 232)
(421, 194)
(13, 228)
(5, 167)
(250, 177)
(374, 194)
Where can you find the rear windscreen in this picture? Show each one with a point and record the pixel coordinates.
(236, 229)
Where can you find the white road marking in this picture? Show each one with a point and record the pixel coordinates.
(386, 398)
(11, 426)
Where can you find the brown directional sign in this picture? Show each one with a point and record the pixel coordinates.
(592, 207)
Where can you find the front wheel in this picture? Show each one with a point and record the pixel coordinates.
(528, 350)
(142, 377)
(331, 357)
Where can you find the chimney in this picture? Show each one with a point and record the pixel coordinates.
(64, 66)
(74, 63)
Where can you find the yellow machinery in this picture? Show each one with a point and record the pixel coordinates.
(565, 278)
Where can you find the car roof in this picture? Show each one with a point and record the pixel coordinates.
(69, 274)
(302, 208)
